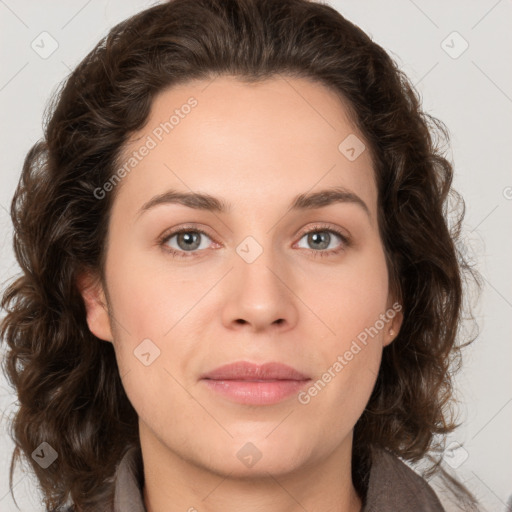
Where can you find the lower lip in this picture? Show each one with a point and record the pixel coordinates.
(256, 393)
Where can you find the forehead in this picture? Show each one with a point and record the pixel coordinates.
(254, 144)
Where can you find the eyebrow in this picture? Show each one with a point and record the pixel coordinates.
(306, 201)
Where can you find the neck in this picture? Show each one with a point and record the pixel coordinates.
(174, 484)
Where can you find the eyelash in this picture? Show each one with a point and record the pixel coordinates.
(315, 229)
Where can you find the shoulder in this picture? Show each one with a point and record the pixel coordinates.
(394, 486)
(127, 486)
(129, 480)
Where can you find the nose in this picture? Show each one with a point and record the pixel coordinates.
(260, 295)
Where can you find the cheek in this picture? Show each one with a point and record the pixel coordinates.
(148, 299)
(351, 302)
(349, 359)
(155, 323)
(350, 298)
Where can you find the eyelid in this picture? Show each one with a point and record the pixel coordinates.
(325, 227)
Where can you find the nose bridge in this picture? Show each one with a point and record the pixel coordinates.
(257, 265)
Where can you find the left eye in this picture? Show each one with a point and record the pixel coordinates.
(323, 238)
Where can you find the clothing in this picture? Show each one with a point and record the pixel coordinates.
(393, 486)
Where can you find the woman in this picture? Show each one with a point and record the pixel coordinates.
(176, 340)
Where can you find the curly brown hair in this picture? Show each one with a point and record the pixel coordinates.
(67, 380)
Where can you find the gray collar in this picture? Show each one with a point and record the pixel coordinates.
(393, 486)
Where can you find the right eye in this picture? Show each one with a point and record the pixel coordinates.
(187, 241)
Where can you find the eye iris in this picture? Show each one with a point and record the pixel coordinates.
(315, 237)
(188, 237)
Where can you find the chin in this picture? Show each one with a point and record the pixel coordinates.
(258, 455)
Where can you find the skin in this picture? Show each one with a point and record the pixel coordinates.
(256, 146)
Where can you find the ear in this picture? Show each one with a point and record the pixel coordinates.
(394, 311)
(92, 292)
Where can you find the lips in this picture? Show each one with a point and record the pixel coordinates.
(252, 384)
(244, 371)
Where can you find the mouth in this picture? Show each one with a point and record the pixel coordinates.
(247, 383)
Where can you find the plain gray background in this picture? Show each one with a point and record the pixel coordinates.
(470, 89)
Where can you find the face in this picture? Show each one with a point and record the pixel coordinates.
(266, 278)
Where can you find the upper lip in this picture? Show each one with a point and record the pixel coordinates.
(243, 370)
